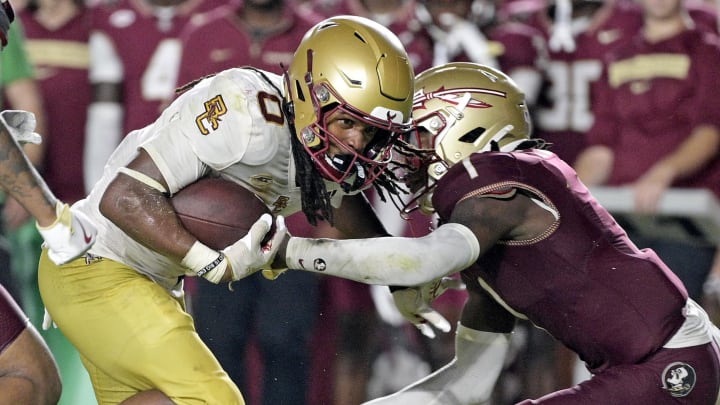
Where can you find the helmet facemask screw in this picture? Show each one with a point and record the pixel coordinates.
(308, 135)
(322, 93)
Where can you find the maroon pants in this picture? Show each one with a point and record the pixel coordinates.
(671, 376)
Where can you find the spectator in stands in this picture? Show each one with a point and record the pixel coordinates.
(657, 125)
(470, 31)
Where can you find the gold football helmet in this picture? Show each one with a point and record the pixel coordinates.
(355, 65)
(463, 108)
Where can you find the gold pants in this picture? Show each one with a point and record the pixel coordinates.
(133, 335)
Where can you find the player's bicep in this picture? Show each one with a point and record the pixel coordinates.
(490, 219)
(130, 184)
(144, 165)
(175, 158)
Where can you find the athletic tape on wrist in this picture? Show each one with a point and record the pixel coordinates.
(198, 257)
(205, 262)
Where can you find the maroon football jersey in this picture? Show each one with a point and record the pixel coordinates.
(60, 57)
(704, 14)
(584, 282)
(564, 111)
(645, 114)
(521, 45)
(143, 39)
(235, 44)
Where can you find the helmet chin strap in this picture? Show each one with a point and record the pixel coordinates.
(499, 136)
(344, 163)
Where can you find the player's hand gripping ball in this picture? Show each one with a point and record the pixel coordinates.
(219, 212)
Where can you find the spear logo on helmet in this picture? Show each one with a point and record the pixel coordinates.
(454, 96)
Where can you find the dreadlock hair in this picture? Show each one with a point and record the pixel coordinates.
(411, 160)
(313, 193)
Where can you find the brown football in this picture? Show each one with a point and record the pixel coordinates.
(218, 212)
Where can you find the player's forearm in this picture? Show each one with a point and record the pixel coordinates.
(387, 260)
(594, 165)
(694, 153)
(20, 179)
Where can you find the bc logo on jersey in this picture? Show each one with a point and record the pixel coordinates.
(679, 379)
(214, 109)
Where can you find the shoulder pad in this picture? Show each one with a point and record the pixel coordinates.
(225, 123)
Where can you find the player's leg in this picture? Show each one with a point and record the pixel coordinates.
(133, 334)
(672, 376)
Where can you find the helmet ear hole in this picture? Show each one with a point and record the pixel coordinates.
(299, 91)
(472, 136)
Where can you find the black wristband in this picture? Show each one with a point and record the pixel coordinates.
(212, 265)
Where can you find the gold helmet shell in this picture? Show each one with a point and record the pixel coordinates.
(467, 108)
(356, 65)
(462, 108)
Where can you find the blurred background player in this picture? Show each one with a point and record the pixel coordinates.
(473, 31)
(397, 15)
(578, 34)
(134, 60)
(656, 127)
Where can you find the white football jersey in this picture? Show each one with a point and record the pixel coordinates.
(231, 124)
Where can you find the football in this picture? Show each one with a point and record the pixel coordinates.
(218, 212)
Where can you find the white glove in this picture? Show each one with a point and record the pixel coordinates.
(385, 305)
(414, 303)
(70, 236)
(47, 322)
(21, 125)
(248, 255)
